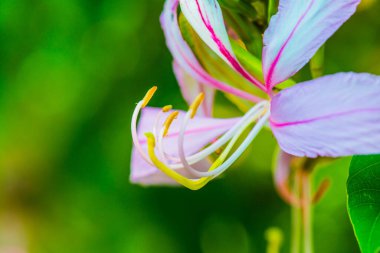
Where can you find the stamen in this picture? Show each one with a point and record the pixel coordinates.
(167, 108)
(239, 151)
(216, 168)
(224, 138)
(158, 131)
(193, 184)
(135, 137)
(195, 158)
(235, 138)
(253, 133)
(148, 96)
(169, 121)
(236, 132)
(195, 105)
(142, 104)
(160, 135)
(157, 121)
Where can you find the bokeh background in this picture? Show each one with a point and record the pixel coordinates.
(70, 74)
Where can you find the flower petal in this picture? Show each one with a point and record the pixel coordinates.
(200, 132)
(336, 115)
(191, 88)
(206, 18)
(297, 31)
(184, 56)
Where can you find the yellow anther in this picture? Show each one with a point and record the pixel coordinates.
(195, 105)
(148, 96)
(167, 108)
(192, 184)
(169, 121)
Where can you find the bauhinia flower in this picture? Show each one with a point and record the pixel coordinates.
(332, 116)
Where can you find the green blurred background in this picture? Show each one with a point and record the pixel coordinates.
(70, 74)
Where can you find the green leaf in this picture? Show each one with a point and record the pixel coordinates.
(363, 187)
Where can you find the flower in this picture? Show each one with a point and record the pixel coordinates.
(333, 116)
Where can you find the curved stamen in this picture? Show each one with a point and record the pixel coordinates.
(195, 105)
(160, 136)
(193, 184)
(157, 121)
(239, 151)
(196, 184)
(142, 104)
(181, 147)
(158, 132)
(135, 137)
(248, 117)
(197, 157)
(148, 96)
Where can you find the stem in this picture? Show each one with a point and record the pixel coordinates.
(306, 207)
(296, 219)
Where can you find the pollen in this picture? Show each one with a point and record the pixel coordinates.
(169, 121)
(148, 96)
(195, 105)
(167, 108)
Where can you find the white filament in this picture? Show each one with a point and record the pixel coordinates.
(239, 151)
(181, 148)
(135, 137)
(158, 134)
(248, 117)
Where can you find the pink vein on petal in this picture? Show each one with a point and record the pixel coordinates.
(215, 83)
(278, 56)
(338, 114)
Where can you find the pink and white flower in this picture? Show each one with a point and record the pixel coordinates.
(333, 116)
